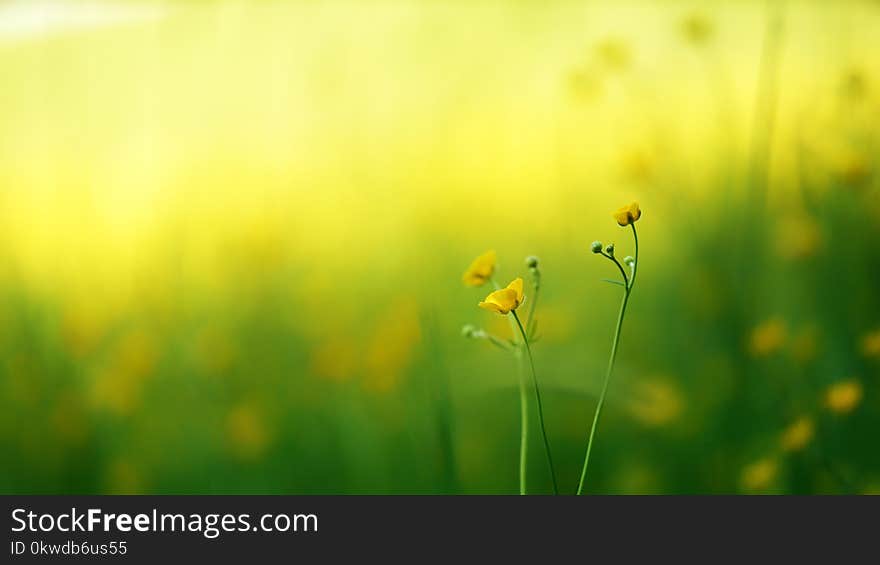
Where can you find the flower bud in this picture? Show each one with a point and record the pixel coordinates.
(469, 330)
(609, 249)
(596, 247)
(629, 261)
(532, 262)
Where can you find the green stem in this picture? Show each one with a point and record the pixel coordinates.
(523, 411)
(636, 264)
(610, 369)
(523, 424)
(614, 260)
(538, 399)
(530, 322)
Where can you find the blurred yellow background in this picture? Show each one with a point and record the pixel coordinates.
(232, 233)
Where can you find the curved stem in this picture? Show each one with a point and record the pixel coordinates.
(608, 372)
(619, 266)
(498, 343)
(538, 398)
(614, 344)
(636, 264)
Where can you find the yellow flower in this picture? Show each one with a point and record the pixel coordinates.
(805, 344)
(656, 401)
(246, 431)
(843, 397)
(871, 344)
(614, 54)
(798, 435)
(628, 214)
(768, 337)
(505, 300)
(697, 28)
(481, 270)
(759, 475)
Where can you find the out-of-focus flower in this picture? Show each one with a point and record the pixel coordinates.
(335, 359)
(655, 402)
(638, 478)
(797, 237)
(82, 328)
(481, 269)
(392, 346)
(214, 351)
(843, 397)
(768, 337)
(584, 84)
(628, 214)
(798, 434)
(69, 419)
(854, 84)
(119, 384)
(505, 300)
(246, 431)
(697, 28)
(805, 344)
(759, 475)
(614, 54)
(854, 170)
(638, 166)
(557, 323)
(871, 344)
(122, 477)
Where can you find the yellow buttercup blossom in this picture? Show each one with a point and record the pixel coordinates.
(505, 300)
(628, 214)
(481, 270)
(843, 397)
(798, 435)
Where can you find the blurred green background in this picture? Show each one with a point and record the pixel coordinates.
(232, 237)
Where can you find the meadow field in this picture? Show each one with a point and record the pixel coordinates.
(232, 238)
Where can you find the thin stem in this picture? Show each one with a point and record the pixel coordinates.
(523, 425)
(619, 266)
(614, 344)
(636, 258)
(530, 322)
(498, 342)
(538, 398)
(523, 410)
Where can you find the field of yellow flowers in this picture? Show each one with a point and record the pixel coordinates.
(348, 247)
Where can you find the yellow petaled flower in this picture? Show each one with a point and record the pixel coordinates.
(628, 214)
(505, 300)
(481, 270)
(843, 397)
(798, 435)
